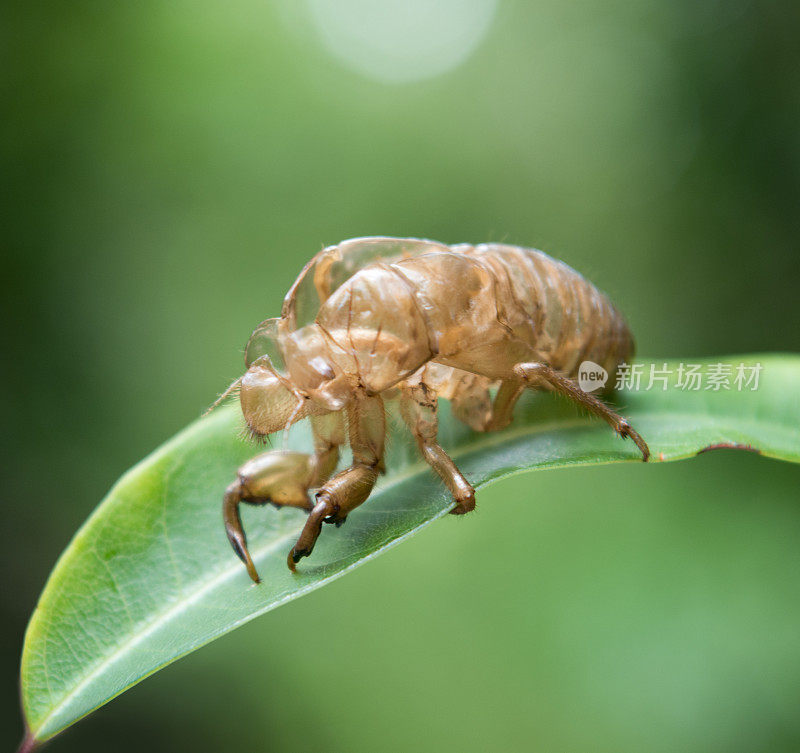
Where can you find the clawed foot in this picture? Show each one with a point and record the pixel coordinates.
(277, 478)
(298, 552)
(233, 527)
(295, 555)
(624, 429)
(308, 537)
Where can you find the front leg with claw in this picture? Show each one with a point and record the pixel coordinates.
(281, 478)
(366, 423)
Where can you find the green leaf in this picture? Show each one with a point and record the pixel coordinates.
(151, 576)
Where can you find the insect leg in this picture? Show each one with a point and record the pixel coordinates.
(418, 407)
(471, 401)
(348, 488)
(532, 373)
(504, 402)
(328, 433)
(279, 478)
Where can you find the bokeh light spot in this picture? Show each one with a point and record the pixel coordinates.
(398, 41)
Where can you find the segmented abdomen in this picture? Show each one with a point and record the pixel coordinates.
(475, 308)
(572, 321)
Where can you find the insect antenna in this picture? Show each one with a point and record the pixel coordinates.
(232, 390)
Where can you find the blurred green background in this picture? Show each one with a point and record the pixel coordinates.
(167, 169)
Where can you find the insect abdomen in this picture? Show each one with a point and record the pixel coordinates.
(571, 319)
(481, 309)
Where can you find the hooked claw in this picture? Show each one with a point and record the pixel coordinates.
(295, 555)
(280, 478)
(233, 527)
(626, 430)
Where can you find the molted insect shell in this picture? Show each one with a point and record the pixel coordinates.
(379, 318)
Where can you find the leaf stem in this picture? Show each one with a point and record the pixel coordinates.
(29, 744)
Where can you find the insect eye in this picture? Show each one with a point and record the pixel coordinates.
(264, 342)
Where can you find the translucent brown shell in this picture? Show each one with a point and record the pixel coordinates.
(319, 278)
